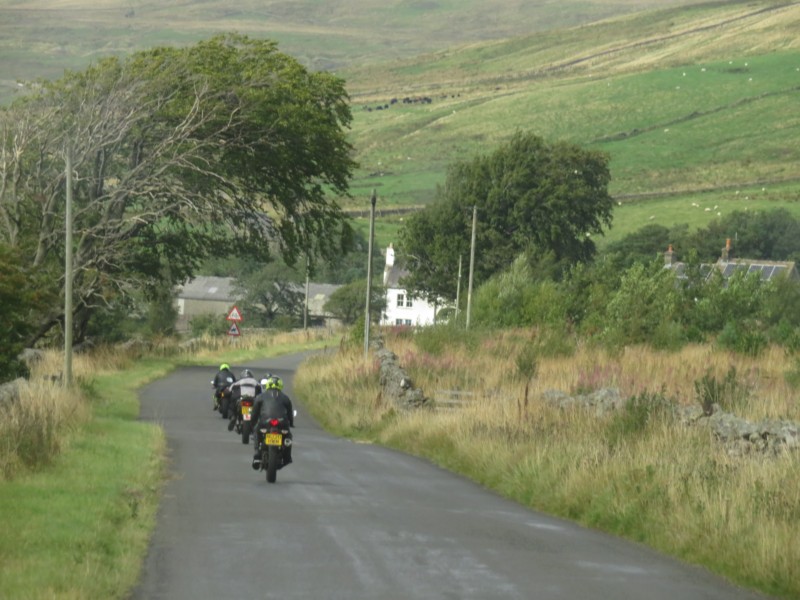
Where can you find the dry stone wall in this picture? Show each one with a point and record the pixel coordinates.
(740, 436)
(396, 385)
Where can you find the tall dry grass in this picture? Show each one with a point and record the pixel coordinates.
(641, 475)
(36, 427)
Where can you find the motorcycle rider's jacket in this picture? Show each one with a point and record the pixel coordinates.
(244, 388)
(223, 379)
(273, 404)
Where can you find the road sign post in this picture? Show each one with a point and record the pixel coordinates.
(235, 317)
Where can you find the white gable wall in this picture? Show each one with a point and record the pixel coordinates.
(402, 310)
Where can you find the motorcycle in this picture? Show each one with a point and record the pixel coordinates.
(274, 438)
(222, 399)
(241, 420)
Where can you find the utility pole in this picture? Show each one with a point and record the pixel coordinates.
(305, 307)
(68, 276)
(373, 199)
(458, 287)
(471, 262)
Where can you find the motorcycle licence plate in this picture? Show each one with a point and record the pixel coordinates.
(246, 413)
(273, 439)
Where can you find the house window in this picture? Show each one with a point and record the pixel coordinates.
(399, 299)
(402, 321)
(408, 300)
(408, 322)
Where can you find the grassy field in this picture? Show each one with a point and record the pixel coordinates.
(641, 475)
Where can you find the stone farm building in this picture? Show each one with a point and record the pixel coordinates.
(216, 296)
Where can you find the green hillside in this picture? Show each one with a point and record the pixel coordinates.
(40, 38)
(683, 100)
(695, 104)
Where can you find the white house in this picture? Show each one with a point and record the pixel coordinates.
(401, 307)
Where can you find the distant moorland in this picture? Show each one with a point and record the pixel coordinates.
(694, 103)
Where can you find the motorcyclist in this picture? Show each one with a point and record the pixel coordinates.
(272, 403)
(222, 380)
(245, 387)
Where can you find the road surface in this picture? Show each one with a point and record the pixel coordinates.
(353, 521)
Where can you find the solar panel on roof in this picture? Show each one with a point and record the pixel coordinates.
(729, 270)
(767, 272)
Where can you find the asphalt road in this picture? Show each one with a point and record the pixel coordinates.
(355, 521)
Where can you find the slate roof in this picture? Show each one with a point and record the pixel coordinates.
(769, 269)
(394, 276)
(218, 289)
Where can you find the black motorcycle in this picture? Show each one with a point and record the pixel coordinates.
(222, 398)
(241, 420)
(274, 439)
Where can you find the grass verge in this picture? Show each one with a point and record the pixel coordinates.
(80, 527)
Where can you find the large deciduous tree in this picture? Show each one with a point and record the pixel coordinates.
(532, 196)
(178, 154)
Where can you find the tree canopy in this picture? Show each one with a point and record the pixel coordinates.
(348, 303)
(531, 196)
(17, 299)
(227, 146)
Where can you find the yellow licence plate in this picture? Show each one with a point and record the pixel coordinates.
(273, 439)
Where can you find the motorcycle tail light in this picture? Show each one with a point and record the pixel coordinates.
(274, 422)
(247, 403)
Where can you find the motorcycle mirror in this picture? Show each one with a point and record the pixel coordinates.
(295, 413)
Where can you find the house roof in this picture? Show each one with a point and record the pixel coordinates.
(769, 269)
(218, 289)
(392, 276)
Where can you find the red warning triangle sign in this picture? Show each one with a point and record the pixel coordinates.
(234, 330)
(234, 315)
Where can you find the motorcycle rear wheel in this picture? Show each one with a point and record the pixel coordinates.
(272, 464)
(245, 432)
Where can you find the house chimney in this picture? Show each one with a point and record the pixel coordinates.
(389, 264)
(669, 257)
(726, 251)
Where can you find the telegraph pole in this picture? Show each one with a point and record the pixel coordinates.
(458, 287)
(373, 199)
(471, 261)
(68, 276)
(305, 307)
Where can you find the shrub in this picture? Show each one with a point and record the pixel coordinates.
(634, 418)
(514, 298)
(436, 339)
(646, 299)
(742, 337)
(729, 393)
(208, 324)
